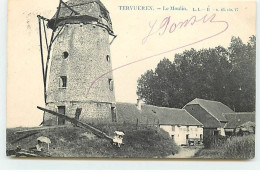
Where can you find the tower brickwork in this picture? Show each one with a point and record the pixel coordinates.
(80, 54)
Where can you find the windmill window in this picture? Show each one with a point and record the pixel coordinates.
(111, 84)
(63, 81)
(65, 54)
(108, 58)
(172, 136)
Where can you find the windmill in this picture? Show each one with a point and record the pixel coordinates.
(78, 51)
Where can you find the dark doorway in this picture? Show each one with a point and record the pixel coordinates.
(78, 112)
(61, 110)
(216, 133)
(201, 137)
(113, 112)
(187, 140)
(173, 137)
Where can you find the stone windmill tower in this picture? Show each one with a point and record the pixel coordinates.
(80, 53)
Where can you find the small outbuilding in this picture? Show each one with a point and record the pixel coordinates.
(210, 114)
(240, 123)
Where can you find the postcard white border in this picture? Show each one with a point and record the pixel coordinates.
(21, 164)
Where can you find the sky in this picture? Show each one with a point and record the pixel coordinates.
(24, 76)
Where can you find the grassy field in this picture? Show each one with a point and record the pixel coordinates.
(235, 148)
(140, 142)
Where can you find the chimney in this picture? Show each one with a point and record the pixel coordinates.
(139, 104)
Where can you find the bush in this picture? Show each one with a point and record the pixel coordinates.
(240, 147)
(144, 141)
(214, 141)
(237, 147)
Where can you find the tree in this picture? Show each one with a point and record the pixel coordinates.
(242, 57)
(225, 75)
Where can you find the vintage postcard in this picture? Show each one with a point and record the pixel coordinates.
(131, 79)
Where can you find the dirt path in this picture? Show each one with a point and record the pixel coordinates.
(186, 152)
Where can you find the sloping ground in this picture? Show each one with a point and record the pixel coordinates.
(140, 142)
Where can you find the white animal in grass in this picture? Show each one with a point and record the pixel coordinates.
(118, 138)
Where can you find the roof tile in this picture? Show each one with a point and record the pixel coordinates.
(215, 108)
(238, 118)
(150, 114)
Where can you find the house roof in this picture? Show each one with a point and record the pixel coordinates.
(214, 108)
(238, 118)
(128, 112)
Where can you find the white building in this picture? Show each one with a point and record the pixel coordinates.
(182, 127)
(182, 134)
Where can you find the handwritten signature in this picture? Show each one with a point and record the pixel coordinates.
(166, 26)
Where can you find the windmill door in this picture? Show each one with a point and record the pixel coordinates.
(61, 110)
(113, 112)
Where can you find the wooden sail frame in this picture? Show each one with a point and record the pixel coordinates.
(45, 66)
